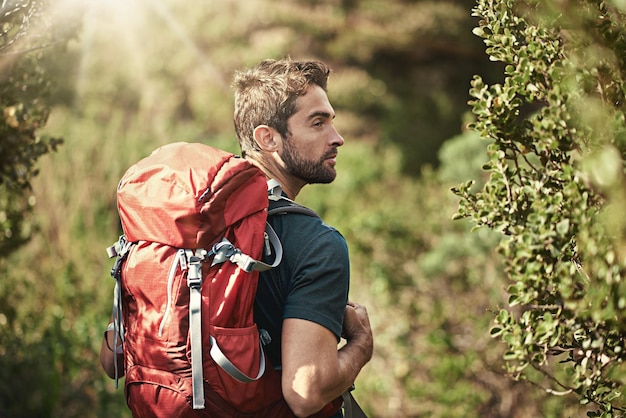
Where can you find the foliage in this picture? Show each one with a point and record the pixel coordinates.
(400, 78)
(24, 90)
(556, 191)
(415, 61)
(405, 65)
(29, 343)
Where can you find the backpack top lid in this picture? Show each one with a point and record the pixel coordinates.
(186, 194)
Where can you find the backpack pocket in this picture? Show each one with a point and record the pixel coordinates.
(234, 365)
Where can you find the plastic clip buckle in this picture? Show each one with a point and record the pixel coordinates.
(194, 263)
(119, 250)
(223, 251)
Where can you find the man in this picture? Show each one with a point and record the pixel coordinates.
(283, 120)
(284, 123)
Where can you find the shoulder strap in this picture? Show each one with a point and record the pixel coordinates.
(283, 206)
(292, 208)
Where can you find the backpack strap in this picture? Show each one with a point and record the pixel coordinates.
(291, 207)
(194, 281)
(225, 251)
(280, 204)
(220, 358)
(351, 409)
(119, 250)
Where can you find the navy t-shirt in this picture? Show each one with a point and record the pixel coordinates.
(311, 282)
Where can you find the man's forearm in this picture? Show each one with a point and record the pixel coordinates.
(357, 351)
(353, 356)
(314, 371)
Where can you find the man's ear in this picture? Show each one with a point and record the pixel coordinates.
(267, 138)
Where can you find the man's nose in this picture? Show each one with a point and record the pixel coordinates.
(337, 139)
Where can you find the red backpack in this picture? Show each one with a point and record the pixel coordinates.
(194, 223)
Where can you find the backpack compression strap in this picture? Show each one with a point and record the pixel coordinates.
(222, 251)
(193, 262)
(225, 251)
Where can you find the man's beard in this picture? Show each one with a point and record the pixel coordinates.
(313, 172)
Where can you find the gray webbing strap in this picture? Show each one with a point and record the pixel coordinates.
(351, 409)
(119, 250)
(223, 361)
(226, 251)
(194, 281)
(118, 327)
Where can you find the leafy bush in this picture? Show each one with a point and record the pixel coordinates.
(24, 108)
(556, 191)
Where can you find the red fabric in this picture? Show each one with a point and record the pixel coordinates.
(191, 196)
(185, 195)
(157, 394)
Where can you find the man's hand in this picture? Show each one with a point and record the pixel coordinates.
(356, 327)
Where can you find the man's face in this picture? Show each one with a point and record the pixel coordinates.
(310, 147)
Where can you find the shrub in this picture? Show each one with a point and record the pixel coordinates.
(556, 191)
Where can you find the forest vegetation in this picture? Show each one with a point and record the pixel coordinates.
(481, 187)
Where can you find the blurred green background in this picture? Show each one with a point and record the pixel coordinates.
(134, 75)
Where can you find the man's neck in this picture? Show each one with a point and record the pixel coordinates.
(290, 185)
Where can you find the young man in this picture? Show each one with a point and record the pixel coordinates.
(284, 123)
(283, 120)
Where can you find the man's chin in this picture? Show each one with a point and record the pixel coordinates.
(322, 174)
(326, 179)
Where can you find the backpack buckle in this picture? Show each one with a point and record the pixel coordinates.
(222, 251)
(120, 250)
(194, 267)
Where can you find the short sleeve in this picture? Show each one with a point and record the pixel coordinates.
(318, 290)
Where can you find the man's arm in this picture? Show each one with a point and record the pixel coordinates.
(314, 372)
